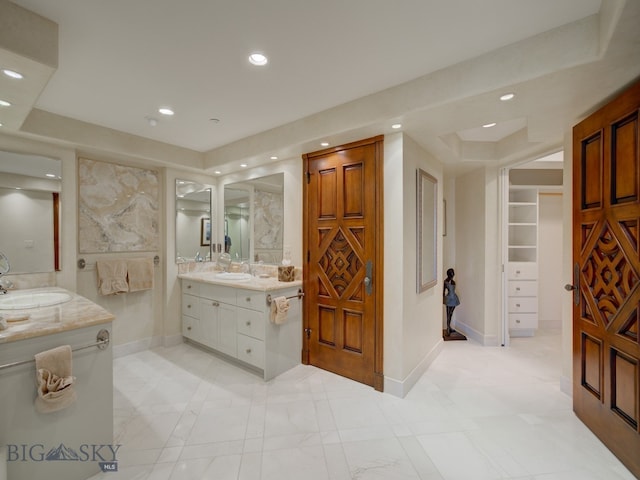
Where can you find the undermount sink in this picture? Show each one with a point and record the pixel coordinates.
(19, 300)
(233, 276)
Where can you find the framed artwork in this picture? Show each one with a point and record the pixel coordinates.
(205, 232)
(426, 221)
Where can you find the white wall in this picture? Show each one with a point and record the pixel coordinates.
(550, 291)
(412, 321)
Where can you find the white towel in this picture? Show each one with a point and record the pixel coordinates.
(112, 276)
(140, 273)
(54, 379)
(279, 309)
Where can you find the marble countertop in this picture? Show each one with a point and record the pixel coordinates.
(78, 312)
(256, 283)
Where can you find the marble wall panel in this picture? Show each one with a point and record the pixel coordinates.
(118, 208)
(268, 220)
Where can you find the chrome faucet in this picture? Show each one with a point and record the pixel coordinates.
(246, 267)
(198, 257)
(5, 284)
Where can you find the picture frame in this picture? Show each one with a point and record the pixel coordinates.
(205, 232)
(426, 231)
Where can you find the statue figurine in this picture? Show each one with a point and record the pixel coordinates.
(450, 298)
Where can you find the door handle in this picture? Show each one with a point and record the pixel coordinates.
(568, 287)
(575, 286)
(368, 283)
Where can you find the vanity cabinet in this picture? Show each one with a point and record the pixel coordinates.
(235, 321)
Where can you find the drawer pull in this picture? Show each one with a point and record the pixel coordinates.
(248, 299)
(517, 289)
(215, 304)
(188, 328)
(248, 350)
(188, 306)
(517, 272)
(188, 287)
(518, 305)
(518, 321)
(248, 324)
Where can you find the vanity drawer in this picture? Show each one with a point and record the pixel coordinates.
(219, 293)
(250, 299)
(251, 323)
(523, 320)
(190, 287)
(251, 350)
(523, 288)
(190, 306)
(523, 270)
(523, 305)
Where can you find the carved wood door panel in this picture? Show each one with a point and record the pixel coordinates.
(342, 273)
(606, 254)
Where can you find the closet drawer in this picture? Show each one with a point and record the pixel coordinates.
(251, 351)
(523, 320)
(190, 306)
(253, 300)
(522, 270)
(251, 323)
(523, 288)
(523, 305)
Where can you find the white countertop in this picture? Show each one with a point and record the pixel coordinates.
(255, 283)
(78, 312)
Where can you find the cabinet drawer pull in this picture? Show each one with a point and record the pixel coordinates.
(215, 304)
(248, 350)
(517, 272)
(518, 305)
(188, 306)
(248, 299)
(517, 320)
(248, 324)
(188, 287)
(517, 289)
(188, 328)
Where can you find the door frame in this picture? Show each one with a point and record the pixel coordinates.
(378, 283)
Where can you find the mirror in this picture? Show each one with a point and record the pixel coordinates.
(30, 188)
(193, 221)
(426, 209)
(254, 219)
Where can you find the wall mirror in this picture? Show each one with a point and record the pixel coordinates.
(30, 187)
(254, 219)
(193, 221)
(426, 210)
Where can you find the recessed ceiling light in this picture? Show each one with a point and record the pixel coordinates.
(217, 172)
(0, 124)
(273, 157)
(507, 96)
(258, 59)
(489, 125)
(244, 165)
(165, 111)
(396, 126)
(12, 73)
(4, 103)
(324, 144)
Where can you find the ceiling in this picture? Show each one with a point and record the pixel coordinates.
(338, 71)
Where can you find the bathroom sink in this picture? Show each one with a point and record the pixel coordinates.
(18, 300)
(233, 276)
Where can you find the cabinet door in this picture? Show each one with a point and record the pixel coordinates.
(227, 329)
(209, 321)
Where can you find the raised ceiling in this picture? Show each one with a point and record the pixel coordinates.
(338, 71)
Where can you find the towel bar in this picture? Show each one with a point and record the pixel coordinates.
(82, 263)
(298, 296)
(102, 342)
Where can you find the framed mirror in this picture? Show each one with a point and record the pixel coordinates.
(193, 221)
(254, 219)
(30, 188)
(426, 211)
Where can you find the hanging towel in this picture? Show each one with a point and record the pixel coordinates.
(140, 272)
(279, 309)
(112, 276)
(54, 379)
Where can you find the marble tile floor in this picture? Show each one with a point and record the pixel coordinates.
(478, 413)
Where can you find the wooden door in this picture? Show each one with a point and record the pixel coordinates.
(343, 269)
(606, 253)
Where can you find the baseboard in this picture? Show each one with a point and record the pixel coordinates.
(566, 385)
(136, 346)
(399, 388)
(472, 334)
(172, 340)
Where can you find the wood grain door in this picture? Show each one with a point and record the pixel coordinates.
(343, 269)
(606, 254)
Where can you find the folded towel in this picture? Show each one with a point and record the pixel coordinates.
(140, 272)
(112, 276)
(279, 309)
(54, 379)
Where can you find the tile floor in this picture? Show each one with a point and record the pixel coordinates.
(477, 413)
